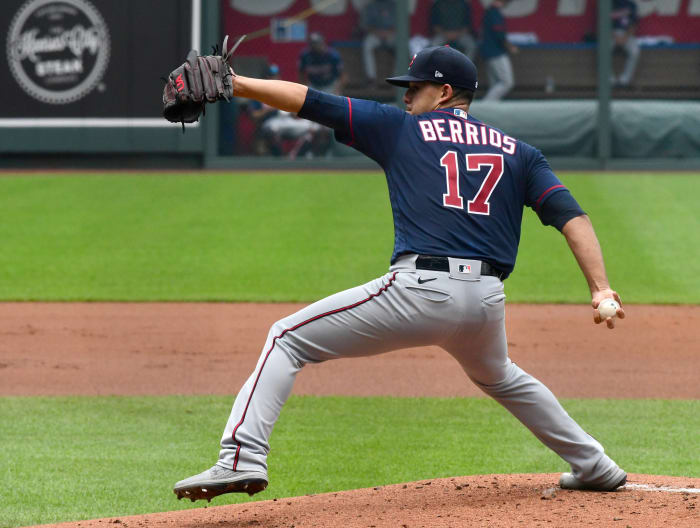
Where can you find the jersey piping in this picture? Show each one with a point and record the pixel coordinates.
(545, 193)
(352, 132)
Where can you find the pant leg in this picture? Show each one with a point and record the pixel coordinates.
(465, 42)
(288, 126)
(632, 52)
(484, 358)
(386, 314)
(370, 43)
(468, 44)
(500, 71)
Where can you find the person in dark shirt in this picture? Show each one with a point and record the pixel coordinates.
(451, 23)
(494, 50)
(320, 66)
(378, 20)
(457, 189)
(624, 25)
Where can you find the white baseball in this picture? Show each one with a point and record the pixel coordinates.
(608, 308)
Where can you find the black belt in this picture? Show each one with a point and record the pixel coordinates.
(427, 262)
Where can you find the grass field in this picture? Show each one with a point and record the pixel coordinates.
(80, 458)
(300, 237)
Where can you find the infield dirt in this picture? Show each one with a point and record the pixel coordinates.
(120, 348)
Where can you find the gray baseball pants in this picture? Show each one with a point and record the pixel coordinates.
(369, 44)
(632, 51)
(500, 72)
(462, 313)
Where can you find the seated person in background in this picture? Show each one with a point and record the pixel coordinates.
(624, 24)
(494, 49)
(321, 67)
(378, 20)
(451, 23)
(275, 126)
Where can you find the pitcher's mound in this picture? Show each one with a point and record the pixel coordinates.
(482, 500)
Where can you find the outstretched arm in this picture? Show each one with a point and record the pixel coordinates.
(584, 245)
(283, 95)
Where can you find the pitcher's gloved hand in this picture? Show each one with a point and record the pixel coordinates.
(199, 80)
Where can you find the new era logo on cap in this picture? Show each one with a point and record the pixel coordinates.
(438, 74)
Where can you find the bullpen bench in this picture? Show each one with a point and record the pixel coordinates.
(555, 71)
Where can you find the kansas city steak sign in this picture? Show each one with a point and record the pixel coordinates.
(58, 50)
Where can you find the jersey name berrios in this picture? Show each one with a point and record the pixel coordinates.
(457, 186)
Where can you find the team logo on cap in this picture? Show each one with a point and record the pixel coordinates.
(414, 58)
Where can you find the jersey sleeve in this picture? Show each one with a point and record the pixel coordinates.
(559, 209)
(496, 25)
(367, 126)
(541, 182)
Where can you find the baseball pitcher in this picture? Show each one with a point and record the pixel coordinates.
(457, 189)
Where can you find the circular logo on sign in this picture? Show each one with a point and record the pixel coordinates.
(58, 50)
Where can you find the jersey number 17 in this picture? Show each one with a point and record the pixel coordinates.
(480, 203)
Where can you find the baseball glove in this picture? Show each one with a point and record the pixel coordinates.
(199, 80)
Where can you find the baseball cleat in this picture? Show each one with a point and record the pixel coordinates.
(217, 481)
(568, 481)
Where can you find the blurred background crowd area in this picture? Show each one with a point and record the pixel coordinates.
(523, 49)
(594, 80)
(552, 52)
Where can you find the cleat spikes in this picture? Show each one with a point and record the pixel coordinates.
(207, 488)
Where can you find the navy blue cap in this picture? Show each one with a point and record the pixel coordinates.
(439, 64)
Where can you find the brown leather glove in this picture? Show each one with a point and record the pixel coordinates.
(199, 80)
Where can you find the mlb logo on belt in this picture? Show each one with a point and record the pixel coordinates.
(464, 268)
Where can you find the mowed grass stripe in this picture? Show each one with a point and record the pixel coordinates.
(73, 458)
(300, 237)
(267, 237)
(655, 220)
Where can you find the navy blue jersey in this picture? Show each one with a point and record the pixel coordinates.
(493, 37)
(624, 14)
(457, 186)
(451, 15)
(322, 68)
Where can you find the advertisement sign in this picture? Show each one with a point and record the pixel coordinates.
(90, 63)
